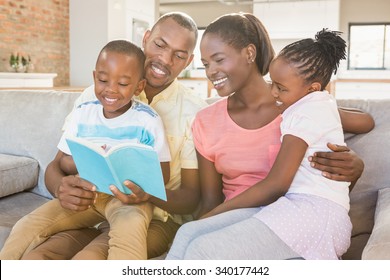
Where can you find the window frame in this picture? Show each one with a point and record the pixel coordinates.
(386, 41)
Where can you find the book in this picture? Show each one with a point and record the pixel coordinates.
(136, 162)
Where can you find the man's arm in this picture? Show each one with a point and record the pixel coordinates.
(73, 192)
(356, 121)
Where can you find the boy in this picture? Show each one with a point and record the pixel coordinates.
(113, 118)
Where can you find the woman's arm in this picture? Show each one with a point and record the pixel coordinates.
(277, 182)
(356, 121)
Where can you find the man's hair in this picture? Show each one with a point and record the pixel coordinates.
(180, 18)
(126, 48)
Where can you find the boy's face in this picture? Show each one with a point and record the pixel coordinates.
(117, 79)
(168, 50)
(287, 86)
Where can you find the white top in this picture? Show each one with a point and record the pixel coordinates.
(140, 124)
(316, 120)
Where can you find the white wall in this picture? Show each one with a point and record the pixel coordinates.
(93, 23)
(88, 29)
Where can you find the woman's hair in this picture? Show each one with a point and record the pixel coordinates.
(316, 59)
(126, 48)
(238, 30)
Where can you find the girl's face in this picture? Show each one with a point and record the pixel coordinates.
(226, 67)
(287, 86)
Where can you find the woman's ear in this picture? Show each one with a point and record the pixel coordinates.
(251, 53)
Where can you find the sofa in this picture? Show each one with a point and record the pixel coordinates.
(31, 125)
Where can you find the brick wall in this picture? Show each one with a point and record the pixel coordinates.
(39, 28)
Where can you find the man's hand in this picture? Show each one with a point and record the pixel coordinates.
(340, 165)
(75, 193)
(137, 196)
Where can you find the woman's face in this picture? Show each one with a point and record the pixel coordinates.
(226, 67)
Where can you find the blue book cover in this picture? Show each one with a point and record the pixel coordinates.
(129, 161)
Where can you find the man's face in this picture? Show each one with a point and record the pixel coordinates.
(168, 49)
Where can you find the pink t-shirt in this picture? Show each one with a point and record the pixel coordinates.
(243, 156)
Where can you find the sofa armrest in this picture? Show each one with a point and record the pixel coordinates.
(378, 245)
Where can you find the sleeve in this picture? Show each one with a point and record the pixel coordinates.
(200, 140)
(161, 143)
(70, 131)
(188, 152)
(302, 126)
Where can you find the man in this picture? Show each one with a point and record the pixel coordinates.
(167, 54)
(168, 47)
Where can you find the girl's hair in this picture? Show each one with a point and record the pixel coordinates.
(316, 59)
(127, 48)
(238, 30)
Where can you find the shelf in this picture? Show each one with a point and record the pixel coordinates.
(22, 80)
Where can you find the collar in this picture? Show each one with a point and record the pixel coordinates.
(168, 94)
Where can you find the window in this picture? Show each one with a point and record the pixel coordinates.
(197, 61)
(369, 46)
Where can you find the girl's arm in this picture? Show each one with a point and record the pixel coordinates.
(276, 184)
(356, 121)
(211, 185)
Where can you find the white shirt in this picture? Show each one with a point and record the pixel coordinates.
(316, 120)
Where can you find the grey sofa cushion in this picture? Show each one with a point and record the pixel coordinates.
(17, 174)
(14, 207)
(378, 246)
(373, 148)
(31, 122)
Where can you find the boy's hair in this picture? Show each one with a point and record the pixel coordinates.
(316, 59)
(238, 30)
(126, 48)
(181, 19)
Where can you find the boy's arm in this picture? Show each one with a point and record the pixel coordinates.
(277, 182)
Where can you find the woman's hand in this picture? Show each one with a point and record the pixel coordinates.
(342, 164)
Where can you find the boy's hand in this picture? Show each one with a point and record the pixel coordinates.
(137, 196)
(340, 165)
(75, 193)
